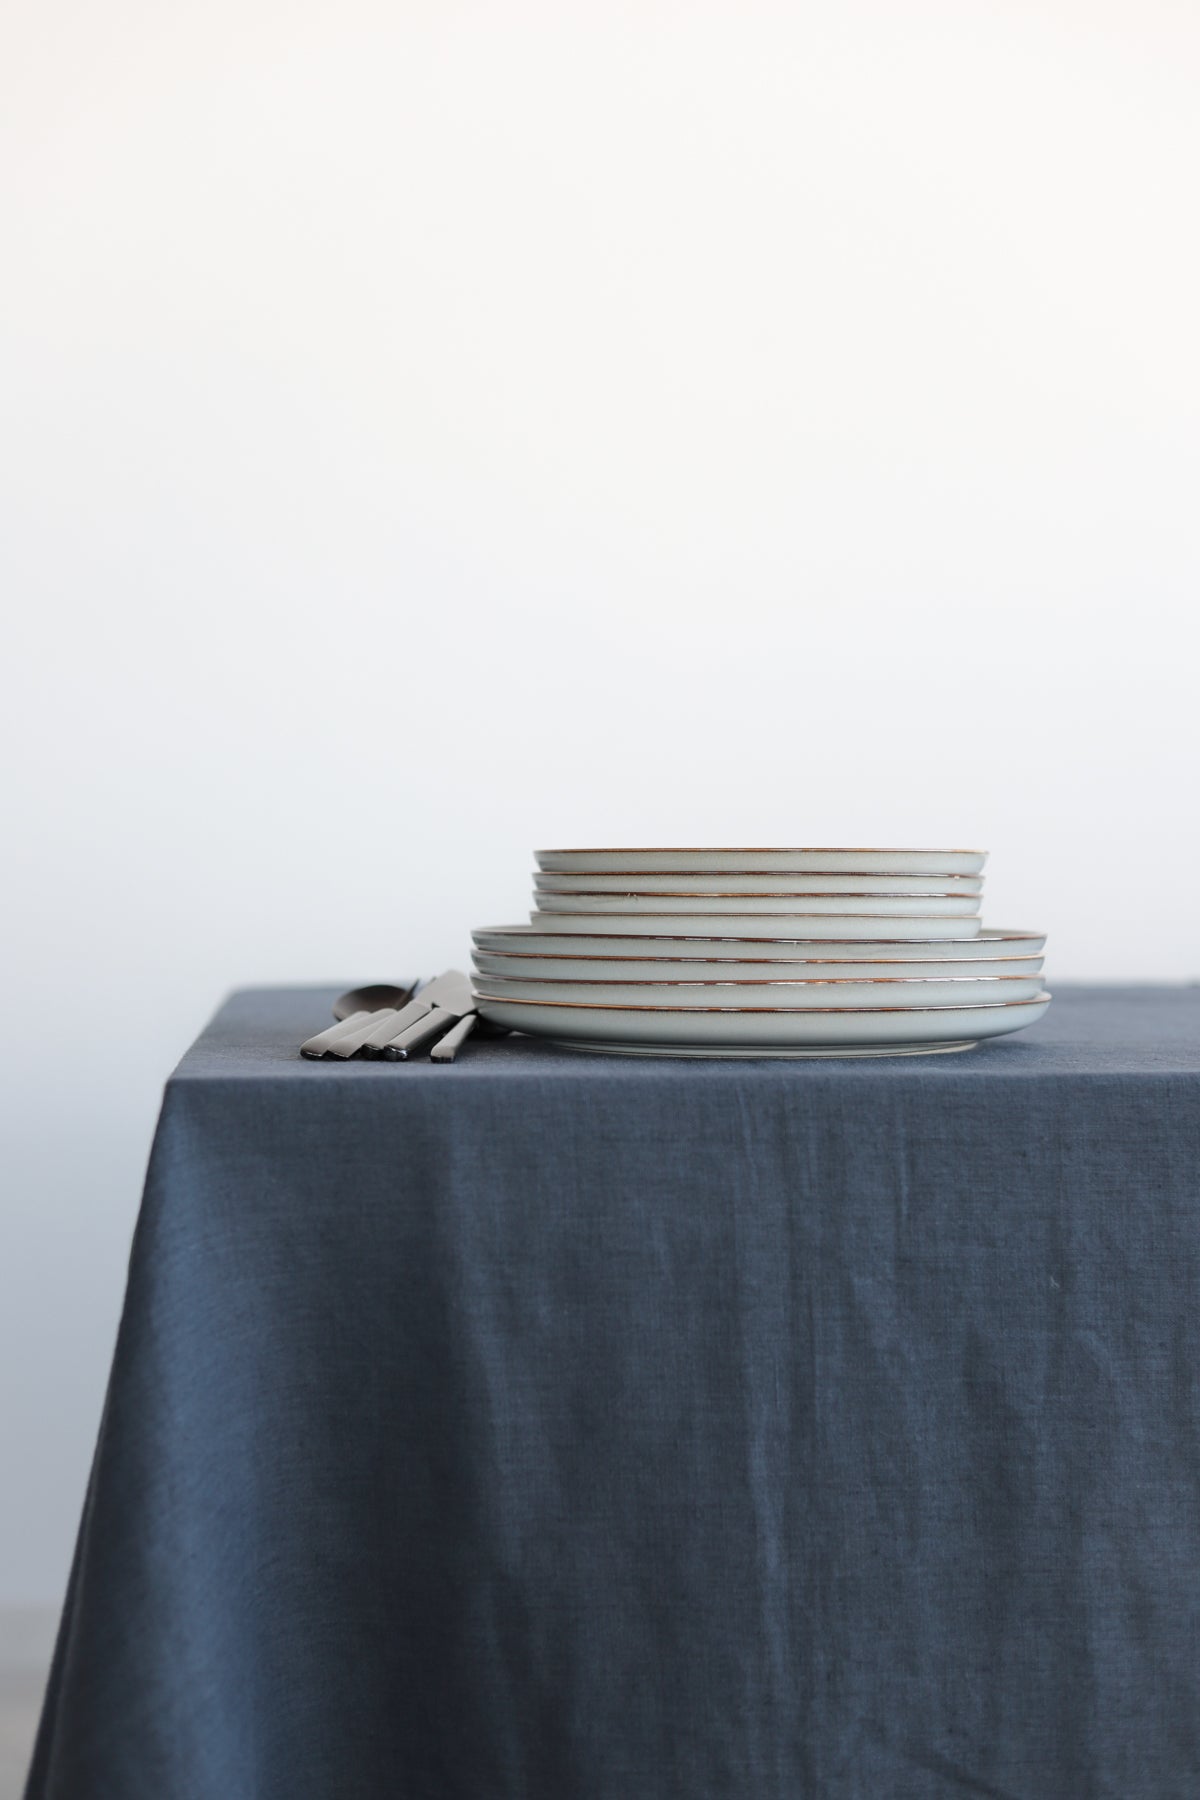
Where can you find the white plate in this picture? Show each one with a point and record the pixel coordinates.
(738, 924)
(880, 906)
(823, 967)
(659, 1031)
(791, 862)
(803, 992)
(571, 937)
(717, 881)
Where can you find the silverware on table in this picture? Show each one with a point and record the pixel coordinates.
(352, 1009)
(379, 1028)
(450, 999)
(447, 1048)
(373, 1036)
(392, 1021)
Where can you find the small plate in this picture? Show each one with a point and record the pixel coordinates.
(522, 966)
(830, 925)
(665, 1031)
(789, 862)
(772, 943)
(824, 992)
(717, 881)
(880, 906)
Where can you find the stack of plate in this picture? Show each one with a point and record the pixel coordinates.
(760, 953)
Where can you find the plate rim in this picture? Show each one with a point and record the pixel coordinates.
(781, 981)
(740, 893)
(743, 894)
(754, 850)
(806, 1011)
(722, 937)
(801, 962)
(800, 874)
(645, 912)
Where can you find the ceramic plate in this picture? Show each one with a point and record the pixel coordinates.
(771, 943)
(826, 967)
(804, 992)
(792, 862)
(660, 1031)
(717, 881)
(881, 905)
(754, 925)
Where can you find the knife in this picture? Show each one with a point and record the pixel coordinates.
(447, 1048)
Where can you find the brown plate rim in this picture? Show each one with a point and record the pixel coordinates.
(807, 1011)
(801, 962)
(720, 937)
(755, 850)
(909, 918)
(783, 981)
(773, 874)
(741, 894)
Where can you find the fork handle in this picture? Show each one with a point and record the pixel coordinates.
(325, 1040)
(378, 1027)
(436, 1021)
(447, 1048)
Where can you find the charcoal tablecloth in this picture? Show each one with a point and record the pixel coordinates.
(551, 1427)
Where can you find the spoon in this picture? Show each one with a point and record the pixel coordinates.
(353, 1009)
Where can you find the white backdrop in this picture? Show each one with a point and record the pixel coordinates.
(434, 431)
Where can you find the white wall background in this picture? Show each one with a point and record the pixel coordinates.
(428, 431)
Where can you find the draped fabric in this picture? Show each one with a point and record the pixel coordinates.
(556, 1427)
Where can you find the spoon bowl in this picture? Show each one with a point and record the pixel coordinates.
(371, 999)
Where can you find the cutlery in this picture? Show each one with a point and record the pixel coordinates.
(447, 1048)
(450, 999)
(352, 1009)
(443, 992)
(373, 1037)
(378, 1029)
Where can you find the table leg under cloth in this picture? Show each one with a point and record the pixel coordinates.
(560, 1428)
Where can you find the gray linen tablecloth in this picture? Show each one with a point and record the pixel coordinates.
(550, 1427)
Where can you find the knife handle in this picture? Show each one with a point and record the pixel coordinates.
(436, 1020)
(447, 1048)
(378, 1027)
(387, 1029)
(325, 1040)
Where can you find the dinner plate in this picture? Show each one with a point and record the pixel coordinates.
(808, 991)
(901, 906)
(717, 881)
(772, 943)
(754, 925)
(865, 862)
(661, 1031)
(524, 966)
